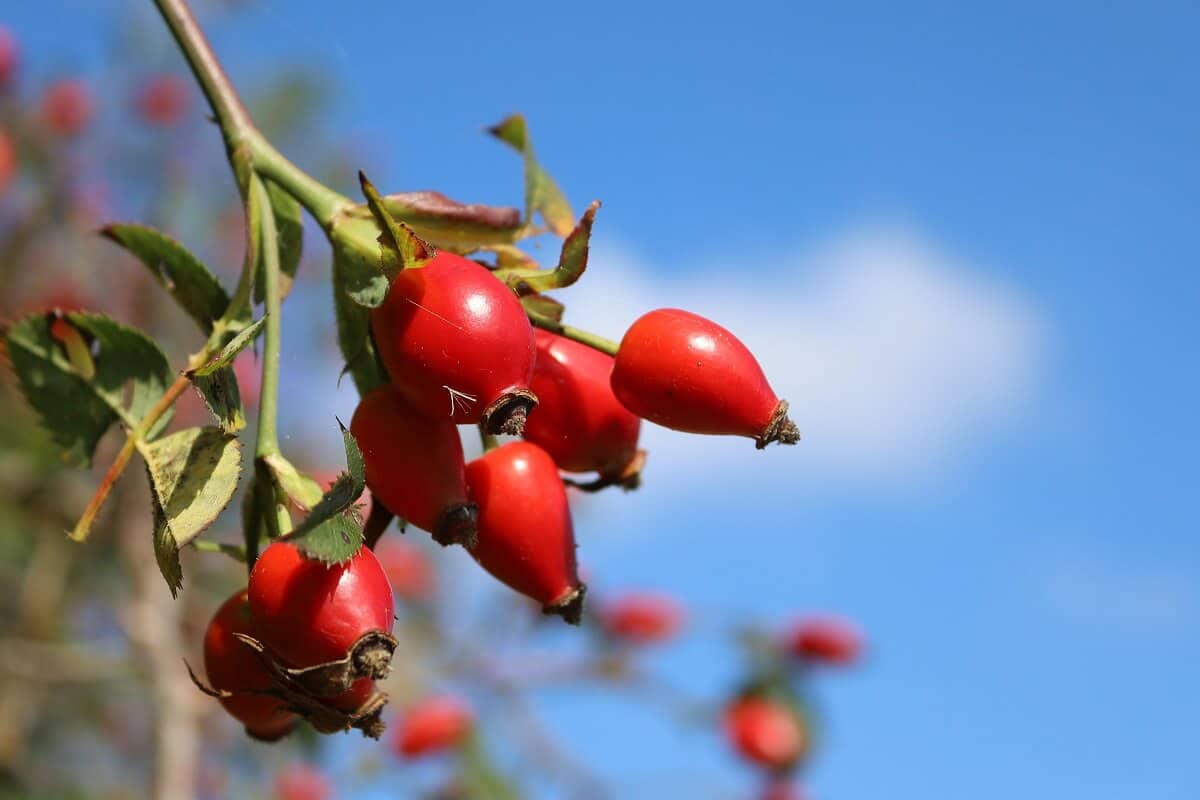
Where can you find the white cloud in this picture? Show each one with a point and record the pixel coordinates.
(1154, 601)
(895, 355)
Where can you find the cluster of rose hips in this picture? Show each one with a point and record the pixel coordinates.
(460, 349)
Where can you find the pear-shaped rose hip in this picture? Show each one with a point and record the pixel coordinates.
(579, 421)
(414, 465)
(457, 344)
(685, 372)
(525, 534)
(233, 667)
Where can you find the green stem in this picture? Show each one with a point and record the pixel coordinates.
(226, 105)
(236, 126)
(322, 202)
(267, 443)
(576, 334)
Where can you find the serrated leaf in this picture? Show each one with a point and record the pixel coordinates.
(353, 331)
(544, 306)
(128, 376)
(193, 474)
(335, 540)
(191, 283)
(341, 495)
(289, 227)
(225, 357)
(219, 390)
(542, 193)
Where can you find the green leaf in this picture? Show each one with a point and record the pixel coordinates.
(289, 227)
(219, 390)
(544, 306)
(342, 494)
(451, 225)
(128, 375)
(225, 357)
(542, 194)
(302, 490)
(356, 246)
(332, 531)
(192, 285)
(334, 541)
(353, 331)
(571, 263)
(193, 474)
(401, 247)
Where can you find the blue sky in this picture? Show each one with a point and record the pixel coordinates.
(962, 238)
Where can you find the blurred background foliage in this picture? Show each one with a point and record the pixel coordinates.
(94, 697)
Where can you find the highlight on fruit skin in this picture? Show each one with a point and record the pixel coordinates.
(685, 372)
(433, 725)
(457, 344)
(826, 640)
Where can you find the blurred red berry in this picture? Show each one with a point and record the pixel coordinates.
(782, 790)
(407, 567)
(8, 56)
(163, 100)
(432, 726)
(67, 107)
(8, 160)
(642, 618)
(302, 782)
(766, 733)
(827, 640)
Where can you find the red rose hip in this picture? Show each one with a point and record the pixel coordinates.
(233, 667)
(308, 614)
(579, 420)
(414, 465)
(526, 539)
(8, 56)
(826, 640)
(162, 100)
(67, 107)
(641, 618)
(766, 733)
(685, 372)
(457, 344)
(432, 726)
